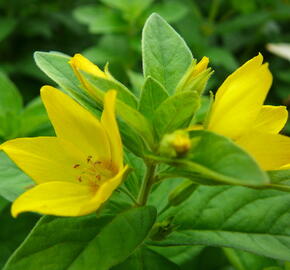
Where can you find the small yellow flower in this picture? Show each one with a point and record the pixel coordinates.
(238, 113)
(76, 171)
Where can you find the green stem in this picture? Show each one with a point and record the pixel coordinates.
(147, 183)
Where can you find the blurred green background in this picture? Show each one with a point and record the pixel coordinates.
(228, 32)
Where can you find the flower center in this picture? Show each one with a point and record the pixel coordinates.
(94, 172)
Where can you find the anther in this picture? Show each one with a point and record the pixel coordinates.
(80, 179)
(89, 159)
(76, 166)
(98, 177)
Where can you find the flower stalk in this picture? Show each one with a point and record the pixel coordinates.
(147, 183)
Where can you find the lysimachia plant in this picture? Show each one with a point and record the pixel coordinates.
(143, 181)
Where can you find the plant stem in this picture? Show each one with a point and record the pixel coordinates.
(147, 183)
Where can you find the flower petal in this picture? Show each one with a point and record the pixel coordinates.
(44, 159)
(272, 151)
(104, 192)
(271, 119)
(75, 124)
(239, 99)
(109, 122)
(55, 198)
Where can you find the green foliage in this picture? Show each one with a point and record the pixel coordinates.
(231, 217)
(200, 223)
(166, 57)
(83, 241)
(152, 95)
(12, 231)
(17, 120)
(175, 112)
(13, 180)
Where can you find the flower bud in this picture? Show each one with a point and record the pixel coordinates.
(175, 144)
(196, 77)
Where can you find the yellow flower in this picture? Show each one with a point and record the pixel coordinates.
(77, 170)
(239, 114)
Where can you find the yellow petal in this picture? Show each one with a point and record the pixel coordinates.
(104, 192)
(75, 124)
(240, 98)
(44, 159)
(78, 62)
(109, 122)
(271, 119)
(55, 198)
(66, 199)
(272, 151)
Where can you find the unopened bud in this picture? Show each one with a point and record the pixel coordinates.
(196, 77)
(175, 144)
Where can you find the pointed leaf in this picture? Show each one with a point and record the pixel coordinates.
(175, 112)
(166, 57)
(152, 95)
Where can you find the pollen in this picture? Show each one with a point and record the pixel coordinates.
(93, 172)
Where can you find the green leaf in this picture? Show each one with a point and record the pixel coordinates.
(242, 218)
(146, 259)
(13, 181)
(244, 261)
(83, 243)
(182, 256)
(13, 231)
(55, 65)
(279, 176)
(166, 57)
(34, 118)
(137, 81)
(152, 95)
(175, 112)
(131, 9)
(101, 20)
(124, 94)
(10, 98)
(218, 158)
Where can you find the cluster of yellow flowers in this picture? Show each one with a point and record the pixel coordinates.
(77, 171)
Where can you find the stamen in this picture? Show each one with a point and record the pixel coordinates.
(89, 159)
(98, 177)
(76, 166)
(80, 179)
